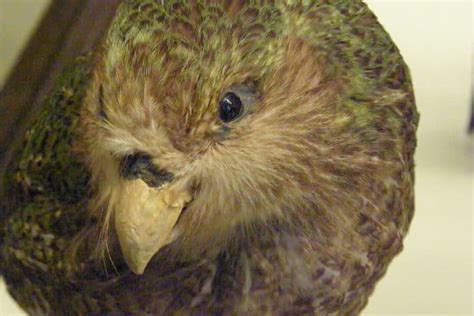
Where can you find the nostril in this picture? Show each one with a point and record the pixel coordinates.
(140, 166)
(132, 165)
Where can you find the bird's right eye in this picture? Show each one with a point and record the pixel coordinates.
(237, 102)
(230, 107)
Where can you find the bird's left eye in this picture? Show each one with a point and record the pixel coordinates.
(230, 107)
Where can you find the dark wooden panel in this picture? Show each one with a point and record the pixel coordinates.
(68, 29)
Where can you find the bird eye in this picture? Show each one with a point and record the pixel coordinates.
(230, 107)
(237, 101)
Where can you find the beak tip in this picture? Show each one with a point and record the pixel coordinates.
(136, 262)
(138, 271)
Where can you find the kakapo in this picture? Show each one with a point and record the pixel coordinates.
(216, 157)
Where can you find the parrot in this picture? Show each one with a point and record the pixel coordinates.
(216, 158)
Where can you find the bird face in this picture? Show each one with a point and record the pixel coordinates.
(203, 119)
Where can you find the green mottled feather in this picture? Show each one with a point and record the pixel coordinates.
(46, 188)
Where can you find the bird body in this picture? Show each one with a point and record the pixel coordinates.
(216, 157)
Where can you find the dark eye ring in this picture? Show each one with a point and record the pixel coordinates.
(230, 107)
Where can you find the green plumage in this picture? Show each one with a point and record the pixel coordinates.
(45, 205)
(45, 198)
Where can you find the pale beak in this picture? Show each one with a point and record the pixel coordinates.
(145, 218)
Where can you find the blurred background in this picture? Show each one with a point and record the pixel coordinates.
(433, 275)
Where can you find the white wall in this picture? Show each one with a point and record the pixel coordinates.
(17, 20)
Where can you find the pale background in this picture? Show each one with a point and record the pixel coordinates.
(433, 275)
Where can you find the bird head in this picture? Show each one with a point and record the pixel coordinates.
(204, 118)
